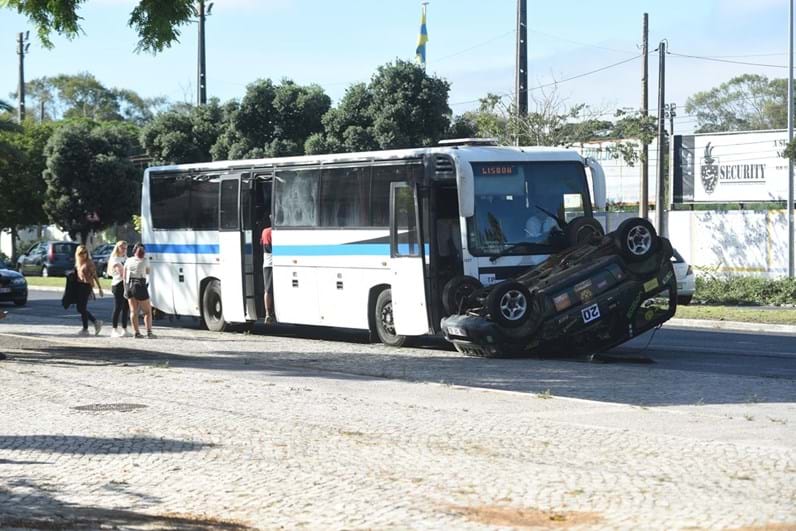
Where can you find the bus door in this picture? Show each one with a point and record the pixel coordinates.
(231, 248)
(407, 263)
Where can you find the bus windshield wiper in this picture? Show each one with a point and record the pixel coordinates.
(513, 247)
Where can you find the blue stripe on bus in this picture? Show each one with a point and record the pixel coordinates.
(354, 249)
(182, 248)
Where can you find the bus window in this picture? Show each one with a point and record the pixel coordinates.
(344, 197)
(168, 197)
(405, 230)
(228, 216)
(380, 190)
(297, 198)
(204, 203)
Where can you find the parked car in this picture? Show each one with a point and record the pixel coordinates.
(48, 259)
(13, 286)
(596, 293)
(686, 282)
(100, 257)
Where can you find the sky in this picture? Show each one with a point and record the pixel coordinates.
(471, 45)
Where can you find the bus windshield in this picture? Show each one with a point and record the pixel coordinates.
(517, 203)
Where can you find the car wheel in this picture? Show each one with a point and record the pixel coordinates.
(636, 239)
(457, 290)
(583, 230)
(385, 323)
(509, 304)
(21, 302)
(212, 311)
(685, 300)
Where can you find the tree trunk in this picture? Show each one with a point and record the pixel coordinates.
(14, 237)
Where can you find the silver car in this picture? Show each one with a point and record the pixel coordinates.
(686, 282)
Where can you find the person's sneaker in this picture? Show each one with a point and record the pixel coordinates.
(269, 320)
(83, 332)
(115, 333)
(150, 335)
(124, 333)
(138, 335)
(97, 327)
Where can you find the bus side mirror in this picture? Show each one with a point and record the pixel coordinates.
(466, 187)
(597, 183)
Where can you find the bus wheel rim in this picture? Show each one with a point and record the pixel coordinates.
(386, 317)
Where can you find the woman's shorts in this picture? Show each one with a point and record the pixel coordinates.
(139, 289)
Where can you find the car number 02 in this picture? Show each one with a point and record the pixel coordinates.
(591, 313)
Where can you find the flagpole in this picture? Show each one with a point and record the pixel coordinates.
(425, 15)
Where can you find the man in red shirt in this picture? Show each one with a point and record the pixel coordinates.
(268, 275)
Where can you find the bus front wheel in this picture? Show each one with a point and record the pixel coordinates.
(384, 321)
(212, 311)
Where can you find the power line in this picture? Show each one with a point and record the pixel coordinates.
(490, 41)
(719, 60)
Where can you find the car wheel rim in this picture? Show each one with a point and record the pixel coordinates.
(639, 240)
(513, 305)
(387, 321)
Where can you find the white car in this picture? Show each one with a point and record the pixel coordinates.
(686, 283)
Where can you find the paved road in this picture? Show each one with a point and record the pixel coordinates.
(313, 428)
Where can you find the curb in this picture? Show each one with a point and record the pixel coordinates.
(706, 324)
(730, 325)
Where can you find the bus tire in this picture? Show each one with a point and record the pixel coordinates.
(212, 311)
(383, 319)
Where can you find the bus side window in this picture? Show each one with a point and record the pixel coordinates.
(296, 202)
(380, 191)
(344, 194)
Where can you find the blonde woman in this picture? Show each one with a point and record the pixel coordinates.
(86, 274)
(116, 272)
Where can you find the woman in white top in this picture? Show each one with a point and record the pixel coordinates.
(116, 271)
(135, 273)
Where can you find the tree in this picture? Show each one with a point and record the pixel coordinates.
(401, 107)
(177, 137)
(83, 96)
(744, 103)
(21, 166)
(271, 120)
(156, 21)
(91, 183)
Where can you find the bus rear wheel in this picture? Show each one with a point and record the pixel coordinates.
(212, 310)
(384, 321)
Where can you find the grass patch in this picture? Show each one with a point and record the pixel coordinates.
(742, 314)
(745, 291)
(60, 282)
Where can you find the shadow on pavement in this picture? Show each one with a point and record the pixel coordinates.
(38, 509)
(656, 384)
(77, 444)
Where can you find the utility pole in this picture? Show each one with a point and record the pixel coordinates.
(521, 76)
(201, 81)
(643, 207)
(22, 49)
(790, 139)
(660, 195)
(670, 112)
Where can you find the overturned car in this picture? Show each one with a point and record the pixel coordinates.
(600, 291)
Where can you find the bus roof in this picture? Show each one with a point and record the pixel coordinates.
(459, 153)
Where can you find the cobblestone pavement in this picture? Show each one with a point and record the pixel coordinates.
(195, 430)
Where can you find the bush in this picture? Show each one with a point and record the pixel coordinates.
(746, 291)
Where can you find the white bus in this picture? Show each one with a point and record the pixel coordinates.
(382, 241)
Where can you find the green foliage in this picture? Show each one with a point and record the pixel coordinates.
(745, 291)
(271, 120)
(88, 173)
(21, 166)
(401, 107)
(176, 137)
(83, 96)
(744, 103)
(156, 21)
(790, 150)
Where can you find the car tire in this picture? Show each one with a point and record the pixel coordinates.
(384, 321)
(583, 230)
(684, 300)
(509, 304)
(636, 239)
(457, 290)
(212, 310)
